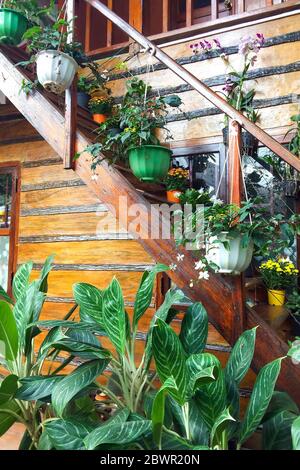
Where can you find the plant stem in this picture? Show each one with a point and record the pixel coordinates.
(185, 411)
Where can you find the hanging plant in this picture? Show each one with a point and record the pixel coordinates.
(131, 132)
(16, 16)
(54, 56)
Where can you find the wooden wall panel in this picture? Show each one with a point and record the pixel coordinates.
(127, 252)
(47, 198)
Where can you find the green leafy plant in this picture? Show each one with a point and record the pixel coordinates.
(133, 123)
(279, 273)
(177, 179)
(31, 9)
(293, 304)
(101, 105)
(203, 397)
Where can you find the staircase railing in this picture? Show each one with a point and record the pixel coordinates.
(204, 90)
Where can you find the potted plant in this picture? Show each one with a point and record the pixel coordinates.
(176, 182)
(277, 275)
(84, 87)
(293, 304)
(100, 108)
(130, 133)
(54, 55)
(235, 90)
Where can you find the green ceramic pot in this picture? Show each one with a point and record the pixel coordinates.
(12, 26)
(150, 162)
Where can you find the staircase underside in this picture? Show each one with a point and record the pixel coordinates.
(218, 294)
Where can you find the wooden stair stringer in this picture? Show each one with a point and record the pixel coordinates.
(110, 185)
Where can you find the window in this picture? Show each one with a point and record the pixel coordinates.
(9, 202)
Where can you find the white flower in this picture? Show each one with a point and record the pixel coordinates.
(215, 200)
(199, 265)
(94, 177)
(204, 275)
(180, 257)
(173, 267)
(191, 283)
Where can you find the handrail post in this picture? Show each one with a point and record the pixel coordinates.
(235, 196)
(70, 104)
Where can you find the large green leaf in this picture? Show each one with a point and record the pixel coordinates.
(55, 334)
(294, 351)
(8, 332)
(158, 408)
(37, 387)
(194, 329)
(198, 429)
(170, 359)
(219, 428)
(90, 300)
(23, 311)
(45, 443)
(145, 292)
(241, 356)
(7, 419)
(197, 375)
(124, 433)
(280, 401)
(5, 296)
(67, 434)
(66, 389)
(83, 350)
(277, 431)
(43, 278)
(8, 388)
(172, 297)
(296, 434)
(211, 398)
(21, 280)
(261, 396)
(114, 317)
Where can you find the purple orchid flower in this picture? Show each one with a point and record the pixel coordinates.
(217, 43)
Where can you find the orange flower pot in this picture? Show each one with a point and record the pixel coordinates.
(173, 196)
(99, 118)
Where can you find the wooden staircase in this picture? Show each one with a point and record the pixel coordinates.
(219, 295)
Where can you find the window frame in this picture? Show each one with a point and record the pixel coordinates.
(13, 168)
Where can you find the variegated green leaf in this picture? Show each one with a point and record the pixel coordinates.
(219, 429)
(241, 356)
(158, 408)
(8, 333)
(90, 301)
(197, 375)
(170, 359)
(277, 431)
(211, 398)
(145, 292)
(124, 433)
(194, 329)
(294, 351)
(21, 280)
(82, 350)
(37, 387)
(261, 396)
(114, 316)
(296, 434)
(27, 304)
(7, 419)
(68, 434)
(43, 278)
(55, 334)
(66, 389)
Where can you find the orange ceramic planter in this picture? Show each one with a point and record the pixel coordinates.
(99, 118)
(173, 196)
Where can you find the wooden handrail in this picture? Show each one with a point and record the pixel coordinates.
(204, 90)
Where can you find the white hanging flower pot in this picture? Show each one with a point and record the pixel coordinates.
(232, 258)
(55, 70)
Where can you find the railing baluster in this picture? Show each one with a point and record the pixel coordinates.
(88, 18)
(214, 9)
(189, 12)
(235, 191)
(109, 26)
(165, 16)
(70, 105)
(239, 6)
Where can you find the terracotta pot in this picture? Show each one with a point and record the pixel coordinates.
(99, 118)
(276, 297)
(174, 195)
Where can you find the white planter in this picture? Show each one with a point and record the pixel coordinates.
(234, 260)
(55, 70)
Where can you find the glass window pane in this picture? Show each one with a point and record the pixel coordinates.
(5, 199)
(4, 256)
